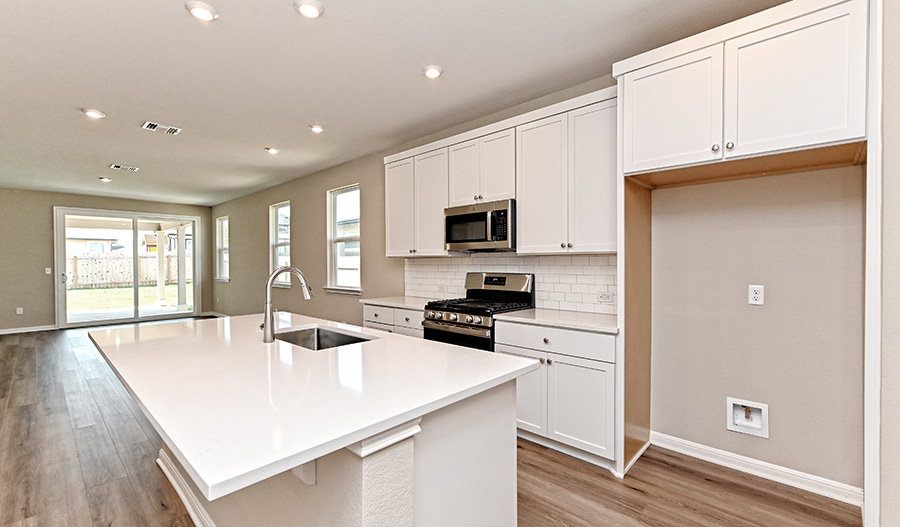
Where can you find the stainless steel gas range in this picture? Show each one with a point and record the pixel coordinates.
(469, 321)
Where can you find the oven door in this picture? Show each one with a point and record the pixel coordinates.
(471, 337)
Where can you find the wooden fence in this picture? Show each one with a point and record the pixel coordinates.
(109, 270)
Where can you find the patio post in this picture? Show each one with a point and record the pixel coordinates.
(182, 269)
(160, 268)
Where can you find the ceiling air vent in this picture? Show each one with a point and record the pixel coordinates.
(154, 127)
(123, 167)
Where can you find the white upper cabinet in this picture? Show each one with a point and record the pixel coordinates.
(673, 112)
(773, 87)
(415, 199)
(542, 186)
(592, 179)
(801, 82)
(483, 169)
(399, 206)
(566, 182)
(431, 199)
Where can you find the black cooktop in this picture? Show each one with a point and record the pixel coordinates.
(474, 306)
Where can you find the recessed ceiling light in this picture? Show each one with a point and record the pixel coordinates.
(202, 10)
(271, 150)
(316, 129)
(433, 72)
(309, 8)
(93, 114)
(105, 179)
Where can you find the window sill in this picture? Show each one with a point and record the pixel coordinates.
(223, 280)
(281, 285)
(342, 290)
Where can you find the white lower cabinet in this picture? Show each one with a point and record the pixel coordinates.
(570, 399)
(394, 320)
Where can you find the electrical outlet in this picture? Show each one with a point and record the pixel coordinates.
(756, 296)
(47, 270)
(604, 298)
(20, 311)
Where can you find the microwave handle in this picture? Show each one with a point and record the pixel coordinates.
(490, 226)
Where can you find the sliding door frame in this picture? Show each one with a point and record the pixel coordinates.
(59, 261)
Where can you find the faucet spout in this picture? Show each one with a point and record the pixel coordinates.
(269, 315)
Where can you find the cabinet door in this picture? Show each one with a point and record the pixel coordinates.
(465, 172)
(531, 391)
(673, 112)
(541, 180)
(378, 325)
(399, 209)
(581, 404)
(498, 166)
(798, 83)
(592, 178)
(431, 174)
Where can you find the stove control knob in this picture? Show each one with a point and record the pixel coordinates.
(479, 320)
(453, 317)
(469, 319)
(438, 316)
(431, 314)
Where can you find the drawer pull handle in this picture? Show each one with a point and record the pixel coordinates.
(546, 340)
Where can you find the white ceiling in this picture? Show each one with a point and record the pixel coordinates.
(261, 73)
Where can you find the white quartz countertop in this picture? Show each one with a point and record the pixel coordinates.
(403, 302)
(555, 318)
(236, 411)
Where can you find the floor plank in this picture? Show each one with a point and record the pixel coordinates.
(60, 495)
(114, 504)
(158, 500)
(99, 459)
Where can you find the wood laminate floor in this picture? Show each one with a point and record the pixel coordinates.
(76, 451)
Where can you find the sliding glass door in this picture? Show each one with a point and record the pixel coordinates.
(119, 266)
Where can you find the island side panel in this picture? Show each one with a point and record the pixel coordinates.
(465, 462)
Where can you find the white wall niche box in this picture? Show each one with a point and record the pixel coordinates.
(747, 417)
(720, 96)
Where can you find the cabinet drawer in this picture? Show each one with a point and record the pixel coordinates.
(385, 315)
(594, 346)
(379, 326)
(410, 332)
(409, 318)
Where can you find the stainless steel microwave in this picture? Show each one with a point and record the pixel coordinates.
(481, 227)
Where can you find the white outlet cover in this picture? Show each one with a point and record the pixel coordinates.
(47, 270)
(605, 298)
(756, 295)
(736, 421)
(20, 311)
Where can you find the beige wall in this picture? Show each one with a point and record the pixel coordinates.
(26, 248)
(802, 237)
(890, 359)
(381, 276)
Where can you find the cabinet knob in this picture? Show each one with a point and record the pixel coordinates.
(376, 315)
(729, 145)
(475, 196)
(563, 245)
(546, 340)
(407, 319)
(715, 148)
(543, 360)
(480, 196)
(568, 245)
(410, 251)
(549, 361)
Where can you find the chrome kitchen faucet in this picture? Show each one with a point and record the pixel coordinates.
(268, 325)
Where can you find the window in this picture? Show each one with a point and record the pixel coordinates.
(280, 239)
(222, 269)
(343, 239)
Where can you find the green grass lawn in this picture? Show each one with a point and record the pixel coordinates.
(119, 297)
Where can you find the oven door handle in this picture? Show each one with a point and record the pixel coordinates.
(464, 330)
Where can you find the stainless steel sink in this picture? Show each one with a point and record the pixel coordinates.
(320, 338)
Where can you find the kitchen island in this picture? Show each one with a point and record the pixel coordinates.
(388, 431)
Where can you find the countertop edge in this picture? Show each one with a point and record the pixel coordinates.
(559, 323)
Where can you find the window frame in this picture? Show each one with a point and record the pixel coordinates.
(285, 279)
(222, 247)
(333, 241)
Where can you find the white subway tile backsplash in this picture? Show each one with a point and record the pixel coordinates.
(561, 282)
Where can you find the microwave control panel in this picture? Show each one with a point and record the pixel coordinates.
(499, 225)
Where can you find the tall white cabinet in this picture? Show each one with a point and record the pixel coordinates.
(415, 198)
(566, 182)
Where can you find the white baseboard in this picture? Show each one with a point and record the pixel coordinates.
(32, 329)
(195, 509)
(794, 478)
(212, 314)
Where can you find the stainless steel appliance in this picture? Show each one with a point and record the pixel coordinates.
(469, 321)
(481, 227)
